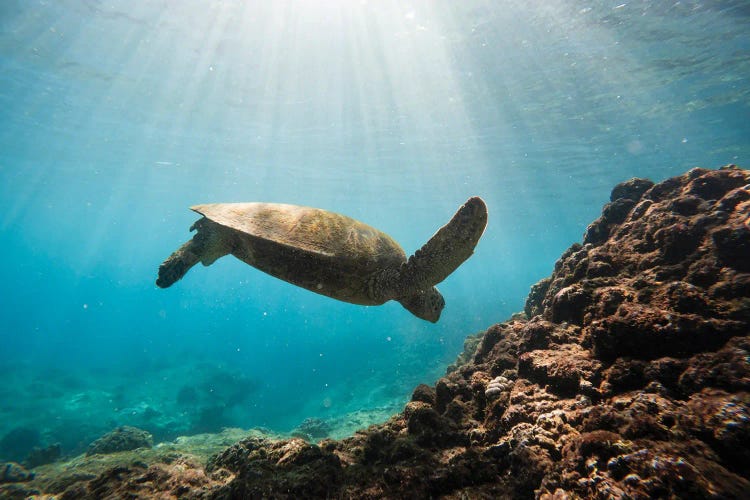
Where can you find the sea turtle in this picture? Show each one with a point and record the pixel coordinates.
(329, 253)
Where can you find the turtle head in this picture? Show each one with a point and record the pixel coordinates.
(426, 305)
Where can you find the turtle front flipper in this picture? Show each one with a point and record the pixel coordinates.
(451, 245)
(206, 246)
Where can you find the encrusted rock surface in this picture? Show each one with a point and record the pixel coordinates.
(123, 438)
(629, 378)
(11, 472)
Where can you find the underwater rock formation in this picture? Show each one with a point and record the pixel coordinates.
(123, 438)
(628, 377)
(18, 442)
(206, 403)
(13, 473)
(312, 429)
(42, 456)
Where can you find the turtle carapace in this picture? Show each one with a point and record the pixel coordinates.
(329, 253)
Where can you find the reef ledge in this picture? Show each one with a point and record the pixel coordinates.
(628, 376)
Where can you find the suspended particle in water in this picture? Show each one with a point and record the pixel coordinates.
(635, 147)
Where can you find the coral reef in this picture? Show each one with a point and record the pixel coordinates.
(627, 377)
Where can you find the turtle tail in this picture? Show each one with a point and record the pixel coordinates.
(177, 265)
(451, 245)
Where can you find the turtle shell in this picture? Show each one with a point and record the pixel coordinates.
(322, 251)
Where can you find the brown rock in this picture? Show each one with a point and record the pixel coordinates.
(561, 369)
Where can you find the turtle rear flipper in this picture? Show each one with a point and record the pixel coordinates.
(206, 246)
(451, 245)
(177, 265)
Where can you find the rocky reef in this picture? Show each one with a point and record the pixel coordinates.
(628, 376)
(123, 438)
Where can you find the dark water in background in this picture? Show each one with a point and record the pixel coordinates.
(116, 116)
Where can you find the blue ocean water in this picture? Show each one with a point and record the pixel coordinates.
(116, 116)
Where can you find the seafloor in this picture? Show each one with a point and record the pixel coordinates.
(627, 376)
